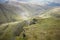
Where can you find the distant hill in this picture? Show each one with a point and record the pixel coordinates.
(13, 10)
(53, 4)
(16, 11)
(7, 14)
(54, 13)
(32, 9)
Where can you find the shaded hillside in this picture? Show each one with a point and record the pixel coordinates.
(31, 9)
(53, 4)
(22, 10)
(8, 15)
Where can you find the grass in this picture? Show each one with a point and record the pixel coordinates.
(45, 29)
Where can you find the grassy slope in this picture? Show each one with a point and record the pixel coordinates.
(45, 29)
(9, 31)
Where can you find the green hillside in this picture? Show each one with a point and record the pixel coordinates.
(43, 27)
(47, 27)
